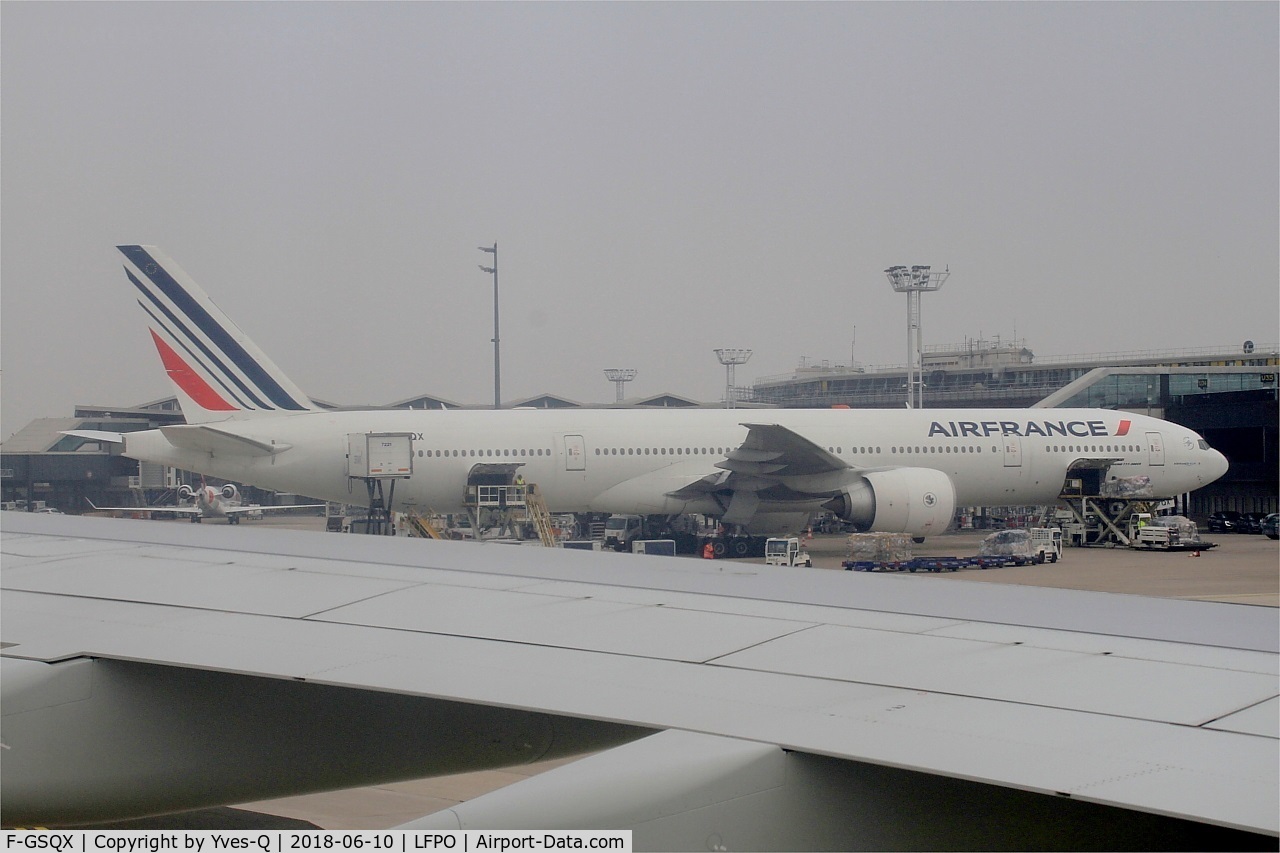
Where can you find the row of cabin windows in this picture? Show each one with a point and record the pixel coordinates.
(521, 452)
(661, 451)
(720, 451)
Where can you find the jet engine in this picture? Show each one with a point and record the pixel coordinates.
(918, 501)
(229, 492)
(186, 492)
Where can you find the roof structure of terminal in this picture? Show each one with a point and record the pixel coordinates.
(982, 373)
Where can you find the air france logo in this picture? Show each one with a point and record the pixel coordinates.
(1067, 429)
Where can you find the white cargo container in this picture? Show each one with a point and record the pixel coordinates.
(379, 455)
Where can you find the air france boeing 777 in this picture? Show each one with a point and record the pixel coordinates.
(885, 470)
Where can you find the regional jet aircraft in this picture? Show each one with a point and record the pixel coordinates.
(207, 502)
(887, 470)
(153, 668)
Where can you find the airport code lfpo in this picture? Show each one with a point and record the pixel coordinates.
(287, 841)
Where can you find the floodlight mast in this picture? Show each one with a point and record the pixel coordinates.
(619, 376)
(497, 347)
(913, 282)
(731, 358)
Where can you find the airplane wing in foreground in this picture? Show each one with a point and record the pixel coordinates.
(147, 669)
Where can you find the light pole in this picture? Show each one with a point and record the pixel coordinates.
(731, 358)
(497, 352)
(913, 282)
(619, 376)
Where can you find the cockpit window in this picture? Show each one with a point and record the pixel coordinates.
(1204, 445)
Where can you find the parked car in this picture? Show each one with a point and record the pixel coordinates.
(1251, 522)
(1270, 526)
(1224, 521)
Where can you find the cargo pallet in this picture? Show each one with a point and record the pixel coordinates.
(939, 564)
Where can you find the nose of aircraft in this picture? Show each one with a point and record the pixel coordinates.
(1218, 467)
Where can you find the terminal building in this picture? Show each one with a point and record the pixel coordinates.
(980, 374)
(1227, 394)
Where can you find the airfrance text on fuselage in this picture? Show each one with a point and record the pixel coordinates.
(983, 429)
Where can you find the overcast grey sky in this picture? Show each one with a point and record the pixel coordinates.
(662, 179)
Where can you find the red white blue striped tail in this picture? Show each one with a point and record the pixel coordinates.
(218, 372)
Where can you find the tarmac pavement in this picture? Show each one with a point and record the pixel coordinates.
(1242, 568)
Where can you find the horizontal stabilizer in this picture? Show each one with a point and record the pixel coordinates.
(206, 439)
(95, 435)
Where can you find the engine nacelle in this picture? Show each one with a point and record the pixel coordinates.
(186, 492)
(918, 501)
(230, 492)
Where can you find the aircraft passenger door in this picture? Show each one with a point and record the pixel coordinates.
(1012, 451)
(1155, 445)
(575, 453)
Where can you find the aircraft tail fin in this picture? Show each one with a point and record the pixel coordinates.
(218, 372)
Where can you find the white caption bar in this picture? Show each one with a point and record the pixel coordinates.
(305, 841)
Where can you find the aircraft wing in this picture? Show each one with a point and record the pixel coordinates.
(775, 470)
(774, 467)
(164, 510)
(1161, 708)
(774, 450)
(240, 510)
(769, 454)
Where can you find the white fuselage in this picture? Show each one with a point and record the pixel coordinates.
(211, 503)
(626, 460)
